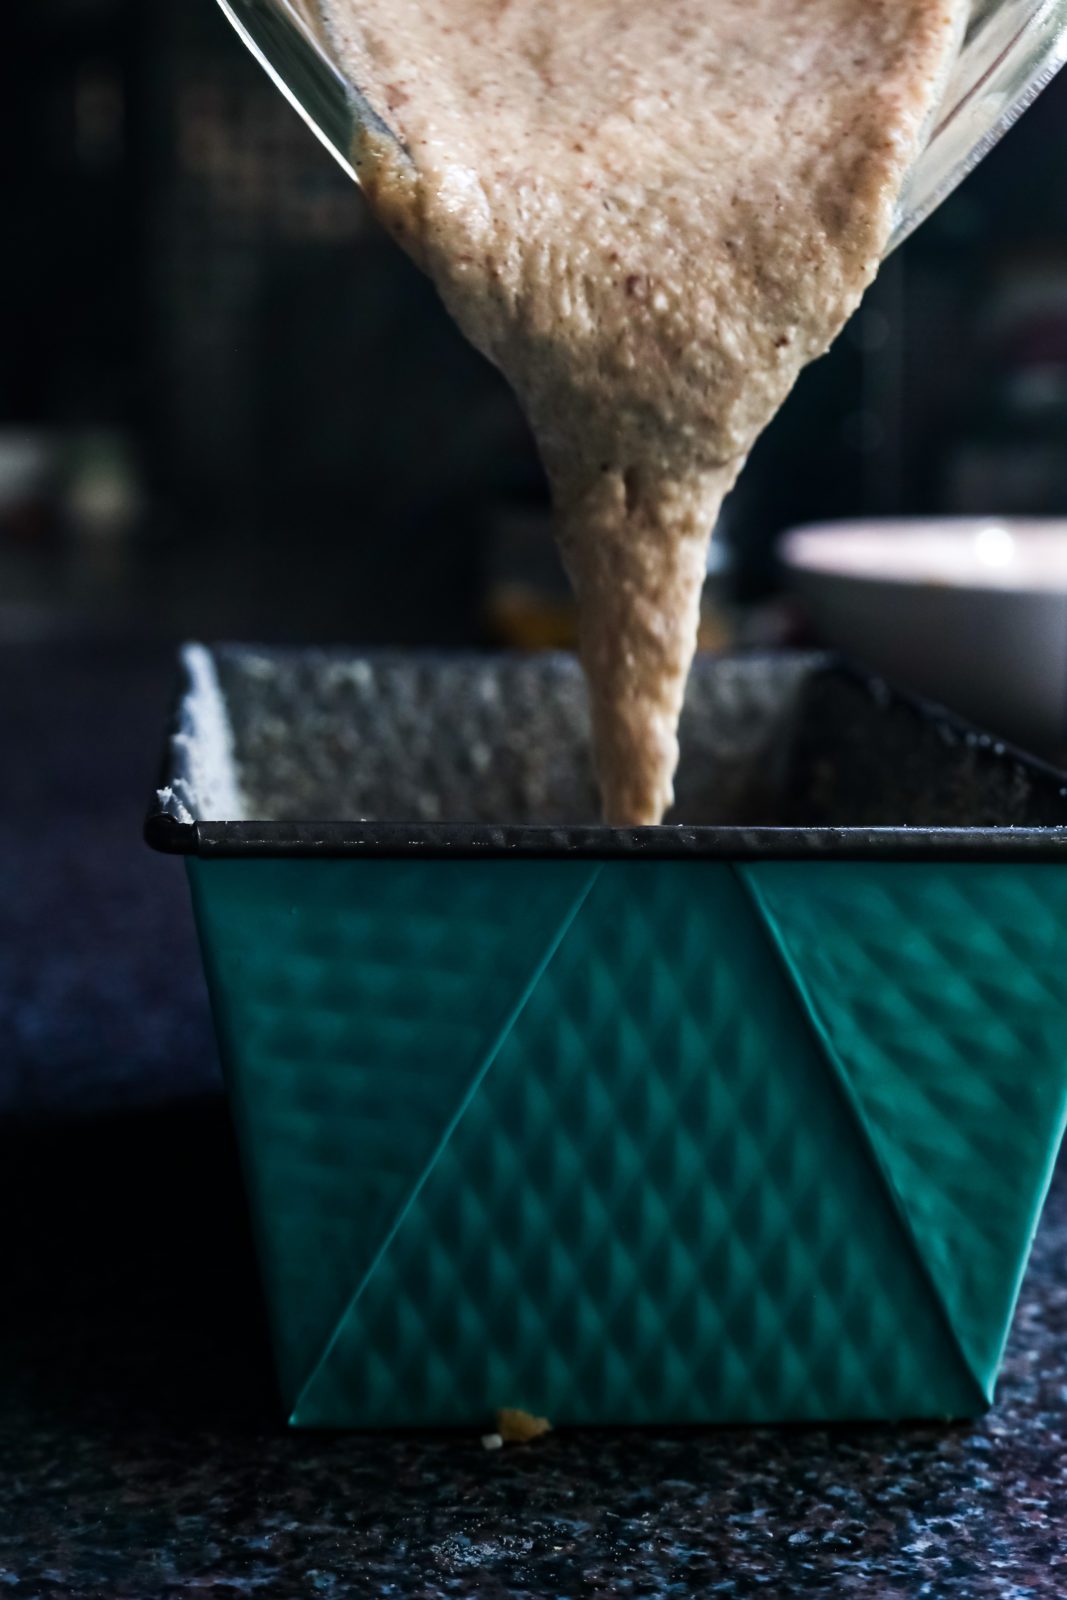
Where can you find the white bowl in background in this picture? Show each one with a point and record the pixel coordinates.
(971, 611)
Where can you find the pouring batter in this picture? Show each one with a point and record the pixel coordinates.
(650, 216)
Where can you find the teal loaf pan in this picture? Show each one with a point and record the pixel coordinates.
(748, 1119)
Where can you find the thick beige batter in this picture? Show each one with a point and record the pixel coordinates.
(650, 214)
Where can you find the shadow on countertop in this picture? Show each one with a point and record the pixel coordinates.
(125, 1254)
(128, 1272)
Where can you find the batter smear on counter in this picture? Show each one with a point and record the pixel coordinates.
(650, 214)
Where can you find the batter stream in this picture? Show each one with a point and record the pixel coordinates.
(650, 214)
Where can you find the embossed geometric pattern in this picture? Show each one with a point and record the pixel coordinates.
(941, 991)
(581, 1138)
(649, 1212)
(357, 1002)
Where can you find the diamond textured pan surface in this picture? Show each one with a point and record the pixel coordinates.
(940, 991)
(357, 1003)
(657, 1204)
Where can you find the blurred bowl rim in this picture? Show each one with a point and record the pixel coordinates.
(808, 549)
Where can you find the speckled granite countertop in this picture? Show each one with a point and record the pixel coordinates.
(140, 1454)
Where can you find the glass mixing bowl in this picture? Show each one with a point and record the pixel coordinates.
(1011, 51)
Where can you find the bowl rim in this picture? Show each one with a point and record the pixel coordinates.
(985, 581)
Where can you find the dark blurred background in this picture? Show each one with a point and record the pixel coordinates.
(229, 406)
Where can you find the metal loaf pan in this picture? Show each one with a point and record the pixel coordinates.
(745, 1118)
